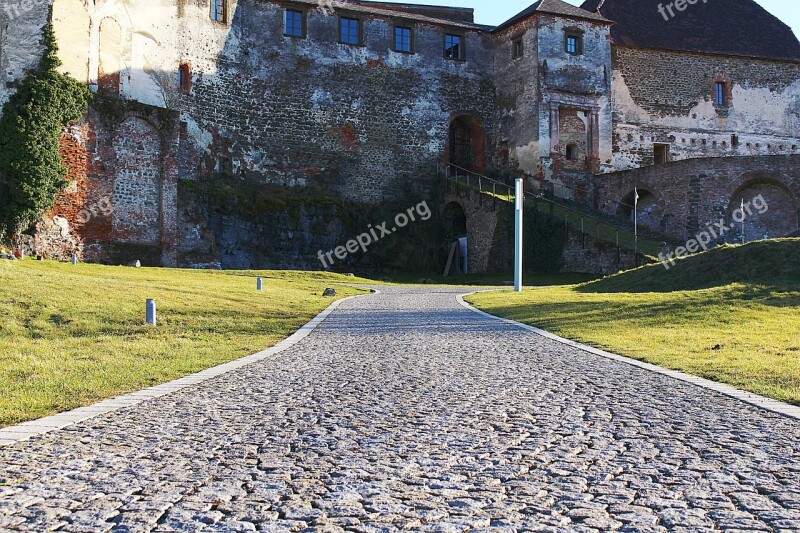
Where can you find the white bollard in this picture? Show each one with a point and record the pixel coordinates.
(260, 284)
(518, 214)
(150, 312)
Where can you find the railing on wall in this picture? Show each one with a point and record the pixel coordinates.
(603, 229)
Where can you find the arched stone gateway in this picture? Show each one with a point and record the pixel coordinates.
(466, 146)
(454, 219)
(137, 212)
(649, 213)
(771, 211)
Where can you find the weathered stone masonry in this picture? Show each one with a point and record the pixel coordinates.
(580, 102)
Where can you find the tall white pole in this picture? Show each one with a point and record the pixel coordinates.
(518, 201)
(636, 225)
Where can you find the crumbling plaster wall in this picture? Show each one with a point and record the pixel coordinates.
(21, 25)
(668, 97)
(545, 80)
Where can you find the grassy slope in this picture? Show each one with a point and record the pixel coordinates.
(730, 315)
(74, 335)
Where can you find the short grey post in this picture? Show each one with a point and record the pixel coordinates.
(518, 200)
(74, 259)
(150, 313)
(260, 284)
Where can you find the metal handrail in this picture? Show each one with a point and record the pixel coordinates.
(470, 175)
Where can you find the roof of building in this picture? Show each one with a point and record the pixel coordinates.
(553, 7)
(462, 14)
(731, 27)
(418, 12)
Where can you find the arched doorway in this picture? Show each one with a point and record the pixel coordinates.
(648, 212)
(771, 211)
(466, 145)
(454, 221)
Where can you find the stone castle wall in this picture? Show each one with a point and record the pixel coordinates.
(689, 196)
(667, 97)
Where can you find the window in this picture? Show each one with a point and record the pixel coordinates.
(574, 44)
(294, 23)
(734, 141)
(453, 47)
(219, 11)
(185, 78)
(719, 93)
(660, 154)
(517, 48)
(402, 40)
(572, 152)
(349, 31)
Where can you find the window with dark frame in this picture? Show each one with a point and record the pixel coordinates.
(660, 154)
(350, 31)
(294, 23)
(219, 11)
(573, 44)
(185, 78)
(403, 40)
(572, 152)
(719, 93)
(517, 48)
(453, 47)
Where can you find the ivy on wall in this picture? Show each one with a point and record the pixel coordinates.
(31, 170)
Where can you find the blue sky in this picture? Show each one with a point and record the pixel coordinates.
(495, 12)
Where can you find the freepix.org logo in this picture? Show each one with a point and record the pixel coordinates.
(716, 231)
(374, 234)
(17, 9)
(668, 11)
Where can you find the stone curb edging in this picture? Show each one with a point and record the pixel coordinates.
(756, 400)
(33, 428)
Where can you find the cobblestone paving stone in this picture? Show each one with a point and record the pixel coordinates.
(405, 411)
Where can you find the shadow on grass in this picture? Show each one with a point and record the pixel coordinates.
(774, 264)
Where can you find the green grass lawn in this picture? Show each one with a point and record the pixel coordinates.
(71, 336)
(730, 315)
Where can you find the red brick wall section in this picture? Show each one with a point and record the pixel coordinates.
(73, 154)
(572, 132)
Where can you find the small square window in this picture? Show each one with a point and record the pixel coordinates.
(403, 40)
(294, 23)
(573, 44)
(720, 97)
(219, 11)
(517, 48)
(453, 47)
(350, 31)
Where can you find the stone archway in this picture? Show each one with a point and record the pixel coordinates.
(466, 144)
(771, 211)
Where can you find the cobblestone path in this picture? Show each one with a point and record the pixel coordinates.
(407, 411)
